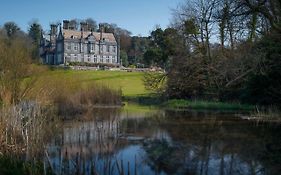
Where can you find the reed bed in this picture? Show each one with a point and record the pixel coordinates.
(24, 130)
(87, 98)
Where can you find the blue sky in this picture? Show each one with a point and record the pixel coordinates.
(137, 16)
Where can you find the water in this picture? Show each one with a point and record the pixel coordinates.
(114, 142)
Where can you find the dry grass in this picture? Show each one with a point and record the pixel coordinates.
(130, 83)
(85, 98)
(24, 129)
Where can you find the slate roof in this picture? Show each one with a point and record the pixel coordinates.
(69, 34)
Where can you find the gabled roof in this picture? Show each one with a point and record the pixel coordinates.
(69, 34)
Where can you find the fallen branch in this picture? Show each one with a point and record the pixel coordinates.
(238, 78)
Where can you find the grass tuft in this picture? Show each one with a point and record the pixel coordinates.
(206, 105)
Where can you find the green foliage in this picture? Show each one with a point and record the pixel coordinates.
(34, 32)
(190, 27)
(137, 48)
(155, 82)
(15, 166)
(124, 58)
(157, 37)
(154, 56)
(163, 47)
(264, 84)
(205, 105)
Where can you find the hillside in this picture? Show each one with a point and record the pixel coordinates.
(70, 80)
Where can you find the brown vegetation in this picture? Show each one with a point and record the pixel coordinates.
(230, 51)
(25, 128)
(86, 98)
(28, 113)
(14, 66)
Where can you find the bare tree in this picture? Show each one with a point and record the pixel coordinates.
(270, 9)
(198, 15)
(92, 24)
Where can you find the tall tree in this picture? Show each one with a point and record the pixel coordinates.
(270, 9)
(163, 47)
(92, 24)
(201, 15)
(124, 58)
(34, 32)
(11, 29)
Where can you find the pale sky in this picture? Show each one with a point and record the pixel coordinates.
(137, 16)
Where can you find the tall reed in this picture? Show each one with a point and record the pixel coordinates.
(86, 98)
(24, 129)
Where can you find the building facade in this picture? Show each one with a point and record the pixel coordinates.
(73, 46)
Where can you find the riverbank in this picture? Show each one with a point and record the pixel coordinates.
(206, 105)
(182, 104)
(131, 85)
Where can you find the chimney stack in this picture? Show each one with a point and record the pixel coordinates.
(54, 29)
(101, 31)
(65, 24)
(84, 26)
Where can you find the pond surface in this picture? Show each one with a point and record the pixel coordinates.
(116, 142)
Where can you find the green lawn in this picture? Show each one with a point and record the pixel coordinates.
(130, 82)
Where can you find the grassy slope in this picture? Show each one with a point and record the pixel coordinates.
(130, 82)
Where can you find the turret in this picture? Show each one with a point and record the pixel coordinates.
(60, 48)
(42, 44)
(42, 39)
(60, 36)
(53, 35)
(101, 31)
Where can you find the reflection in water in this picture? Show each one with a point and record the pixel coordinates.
(115, 142)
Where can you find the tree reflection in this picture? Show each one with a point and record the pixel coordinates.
(109, 142)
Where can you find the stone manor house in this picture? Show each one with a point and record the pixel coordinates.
(69, 45)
